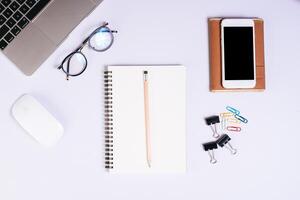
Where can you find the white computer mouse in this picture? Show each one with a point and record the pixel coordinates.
(37, 121)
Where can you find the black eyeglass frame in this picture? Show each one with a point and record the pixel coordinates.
(83, 44)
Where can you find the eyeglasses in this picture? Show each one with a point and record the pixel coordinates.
(99, 40)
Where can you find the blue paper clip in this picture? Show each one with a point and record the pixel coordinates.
(241, 118)
(233, 110)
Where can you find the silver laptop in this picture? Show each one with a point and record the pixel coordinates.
(30, 30)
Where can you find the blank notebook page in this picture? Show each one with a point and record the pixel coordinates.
(167, 119)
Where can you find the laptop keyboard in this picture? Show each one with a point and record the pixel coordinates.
(15, 15)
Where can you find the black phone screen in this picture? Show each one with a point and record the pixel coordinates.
(238, 52)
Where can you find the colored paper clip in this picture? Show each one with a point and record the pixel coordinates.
(233, 120)
(226, 115)
(241, 118)
(223, 123)
(234, 128)
(233, 110)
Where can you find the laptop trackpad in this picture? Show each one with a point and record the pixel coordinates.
(30, 49)
(61, 17)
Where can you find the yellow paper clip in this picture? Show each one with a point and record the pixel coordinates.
(233, 120)
(226, 115)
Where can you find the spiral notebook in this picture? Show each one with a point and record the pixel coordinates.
(126, 148)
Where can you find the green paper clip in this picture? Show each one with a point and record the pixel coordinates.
(241, 118)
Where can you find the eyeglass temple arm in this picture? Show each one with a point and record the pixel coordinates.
(106, 24)
(68, 69)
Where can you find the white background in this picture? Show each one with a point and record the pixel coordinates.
(160, 32)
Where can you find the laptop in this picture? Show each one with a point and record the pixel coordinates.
(30, 30)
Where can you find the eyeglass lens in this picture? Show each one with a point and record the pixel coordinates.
(102, 39)
(76, 64)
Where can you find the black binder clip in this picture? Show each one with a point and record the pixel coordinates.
(209, 147)
(212, 121)
(223, 141)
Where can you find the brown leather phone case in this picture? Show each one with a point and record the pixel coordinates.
(214, 26)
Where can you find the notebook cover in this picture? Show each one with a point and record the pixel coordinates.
(214, 26)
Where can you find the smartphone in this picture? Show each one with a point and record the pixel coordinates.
(238, 53)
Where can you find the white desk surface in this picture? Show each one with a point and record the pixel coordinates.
(160, 32)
